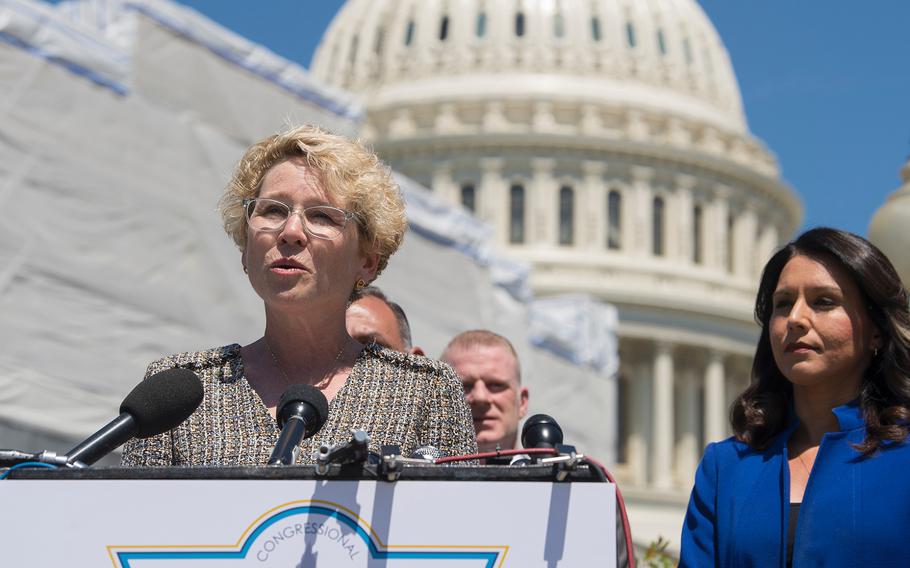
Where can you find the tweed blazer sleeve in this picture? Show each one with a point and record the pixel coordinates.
(448, 425)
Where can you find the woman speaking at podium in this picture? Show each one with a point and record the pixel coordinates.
(315, 216)
(816, 473)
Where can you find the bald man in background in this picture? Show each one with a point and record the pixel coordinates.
(490, 373)
(371, 316)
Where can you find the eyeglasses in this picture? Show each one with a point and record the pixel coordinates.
(322, 221)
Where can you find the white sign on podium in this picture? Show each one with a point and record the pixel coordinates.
(304, 523)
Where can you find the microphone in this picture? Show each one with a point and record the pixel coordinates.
(427, 453)
(302, 410)
(541, 431)
(156, 405)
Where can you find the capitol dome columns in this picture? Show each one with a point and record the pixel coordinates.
(543, 203)
(593, 205)
(744, 233)
(662, 464)
(716, 235)
(688, 390)
(493, 198)
(443, 184)
(715, 411)
(641, 223)
(683, 185)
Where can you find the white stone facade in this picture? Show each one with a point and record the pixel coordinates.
(890, 226)
(605, 142)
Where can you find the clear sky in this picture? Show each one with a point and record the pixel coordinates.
(825, 84)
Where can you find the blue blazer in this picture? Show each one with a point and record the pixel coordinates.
(855, 511)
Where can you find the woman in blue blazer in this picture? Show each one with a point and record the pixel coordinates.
(818, 470)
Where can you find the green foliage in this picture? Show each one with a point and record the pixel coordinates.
(656, 555)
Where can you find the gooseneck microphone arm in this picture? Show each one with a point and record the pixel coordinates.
(293, 431)
(113, 435)
(301, 412)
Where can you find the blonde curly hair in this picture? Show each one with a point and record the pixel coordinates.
(349, 172)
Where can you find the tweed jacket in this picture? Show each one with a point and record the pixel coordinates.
(396, 398)
(855, 510)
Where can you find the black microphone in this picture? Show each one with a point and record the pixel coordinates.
(157, 404)
(541, 431)
(302, 411)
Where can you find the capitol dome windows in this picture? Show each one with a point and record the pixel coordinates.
(657, 226)
(661, 42)
(614, 220)
(444, 28)
(630, 34)
(469, 197)
(559, 26)
(519, 24)
(480, 26)
(698, 235)
(566, 216)
(517, 214)
(380, 41)
(409, 33)
(595, 29)
(352, 54)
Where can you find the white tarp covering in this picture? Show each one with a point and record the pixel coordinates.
(114, 149)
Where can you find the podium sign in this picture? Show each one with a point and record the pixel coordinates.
(208, 523)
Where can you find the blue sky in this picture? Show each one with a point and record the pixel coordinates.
(825, 84)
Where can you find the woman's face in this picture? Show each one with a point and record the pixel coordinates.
(289, 266)
(820, 331)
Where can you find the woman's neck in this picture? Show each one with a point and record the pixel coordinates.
(307, 349)
(814, 408)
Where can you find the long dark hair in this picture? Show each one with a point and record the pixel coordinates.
(760, 412)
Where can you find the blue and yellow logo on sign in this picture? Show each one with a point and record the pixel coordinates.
(302, 534)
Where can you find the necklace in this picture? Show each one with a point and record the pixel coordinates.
(807, 469)
(320, 384)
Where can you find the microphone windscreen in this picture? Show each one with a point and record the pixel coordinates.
(308, 394)
(541, 431)
(163, 401)
(429, 453)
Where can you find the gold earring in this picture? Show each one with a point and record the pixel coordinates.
(359, 284)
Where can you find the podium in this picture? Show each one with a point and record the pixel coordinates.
(431, 516)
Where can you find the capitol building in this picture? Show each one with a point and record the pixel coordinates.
(606, 143)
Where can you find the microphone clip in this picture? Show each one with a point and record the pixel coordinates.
(390, 463)
(13, 457)
(565, 462)
(356, 450)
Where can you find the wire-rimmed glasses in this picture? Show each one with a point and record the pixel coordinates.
(322, 221)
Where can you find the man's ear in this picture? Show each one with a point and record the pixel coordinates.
(523, 402)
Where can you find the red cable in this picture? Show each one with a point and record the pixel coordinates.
(622, 508)
(496, 454)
